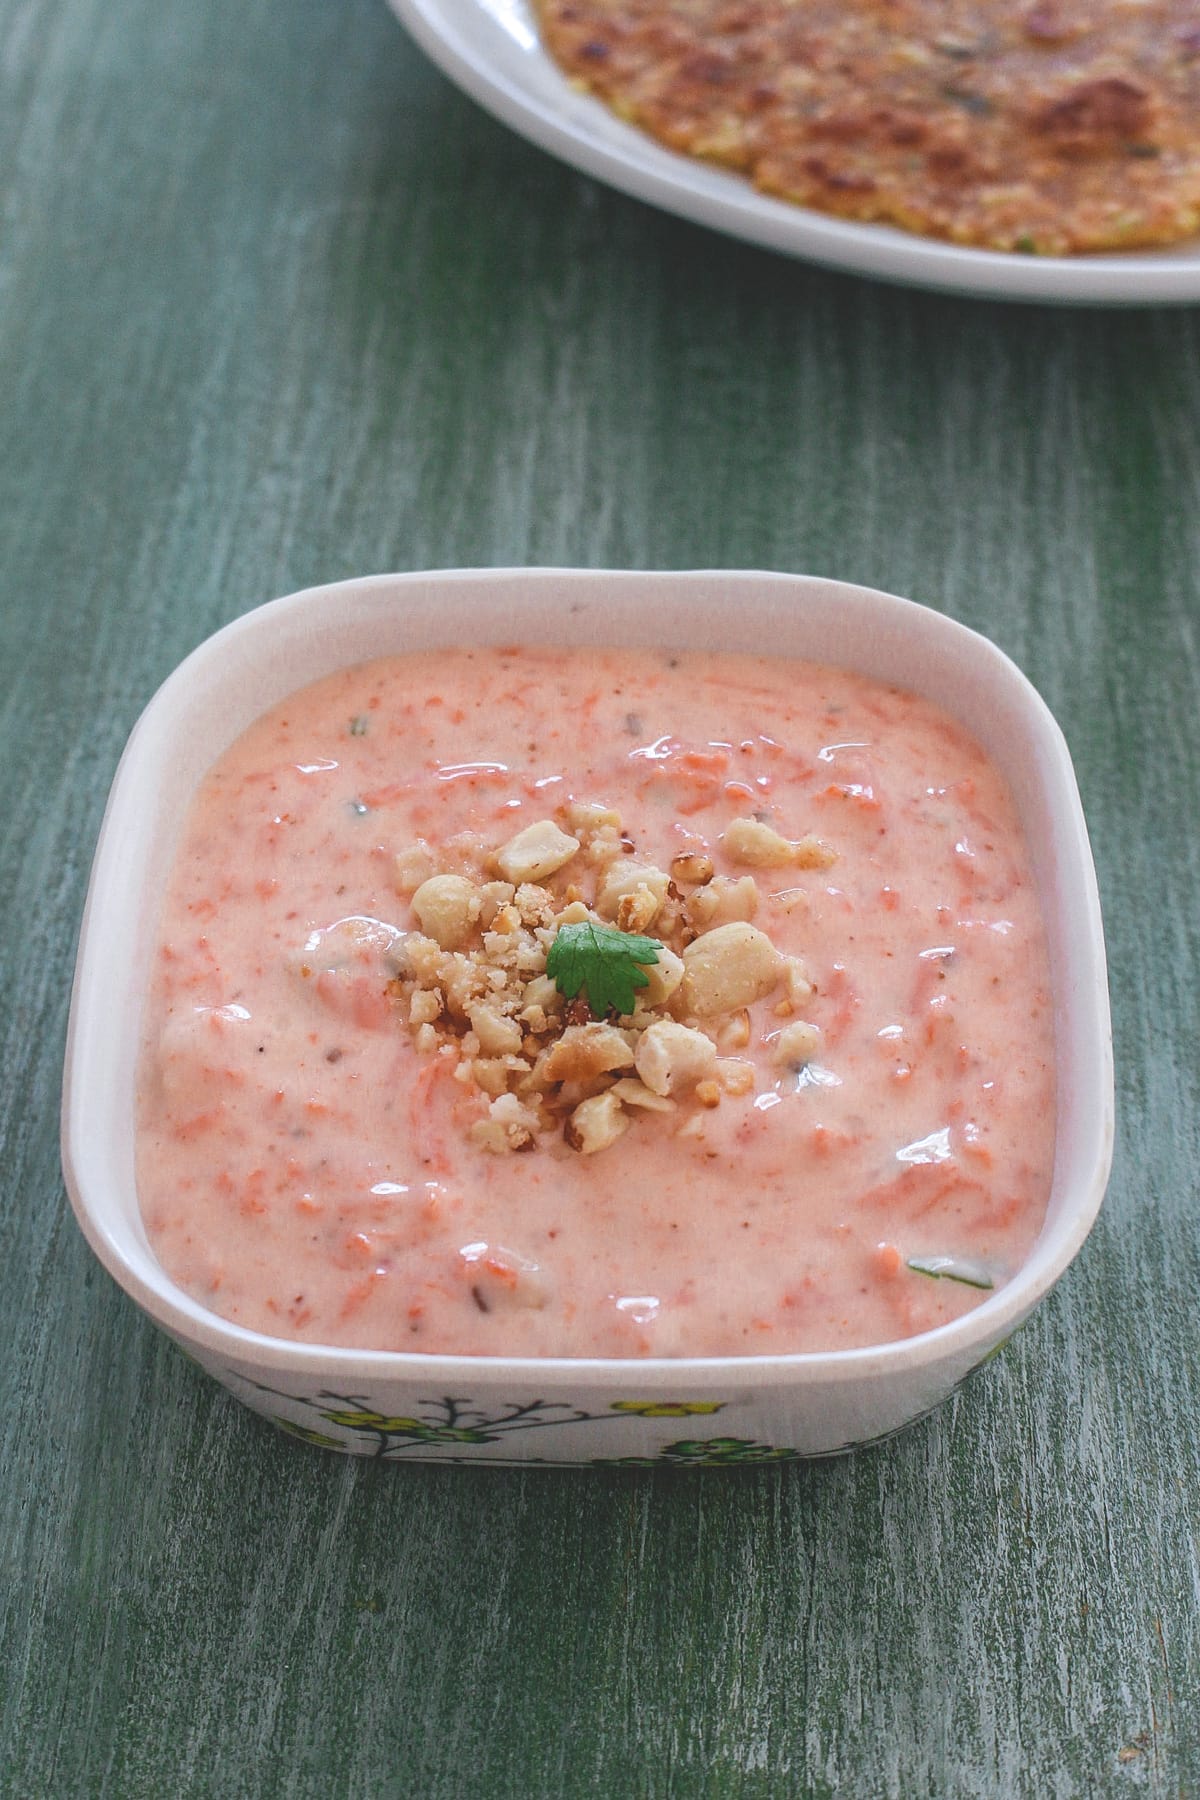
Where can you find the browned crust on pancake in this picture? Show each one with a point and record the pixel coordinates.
(1056, 127)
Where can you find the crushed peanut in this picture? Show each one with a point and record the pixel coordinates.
(735, 1075)
(473, 984)
(759, 846)
(724, 900)
(796, 1045)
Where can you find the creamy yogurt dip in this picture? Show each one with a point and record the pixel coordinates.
(319, 1156)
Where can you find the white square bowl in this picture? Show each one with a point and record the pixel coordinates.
(682, 1411)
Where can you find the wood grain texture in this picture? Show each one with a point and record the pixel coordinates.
(278, 305)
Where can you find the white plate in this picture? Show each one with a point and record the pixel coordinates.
(491, 49)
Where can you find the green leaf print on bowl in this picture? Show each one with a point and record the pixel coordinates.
(701, 1453)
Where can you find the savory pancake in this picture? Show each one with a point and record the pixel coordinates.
(1049, 127)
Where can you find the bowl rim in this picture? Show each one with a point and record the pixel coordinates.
(962, 1340)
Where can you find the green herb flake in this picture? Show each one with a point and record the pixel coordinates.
(951, 1268)
(603, 962)
(358, 725)
(978, 105)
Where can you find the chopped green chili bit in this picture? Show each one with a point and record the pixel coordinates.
(358, 725)
(952, 1268)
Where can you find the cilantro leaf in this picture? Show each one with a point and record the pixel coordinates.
(603, 961)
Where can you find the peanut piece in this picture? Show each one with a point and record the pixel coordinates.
(735, 1032)
(424, 1006)
(693, 868)
(811, 853)
(540, 850)
(508, 1125)
(595, 1124)
(626, 877)
(582, 1053)
(497, 1035)
(728, 968)
(672, 1058)
(587, 816)
(446, 907)
(798, 980)
(796, 1045)
(637, 911)
(723, 901)
(664, 977)
(411, 866)
(635, 1093)
(750, 841)
(736, 1076)
(489, 1073)
(492, 896)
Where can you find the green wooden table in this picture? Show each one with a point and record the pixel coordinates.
(278, 305)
